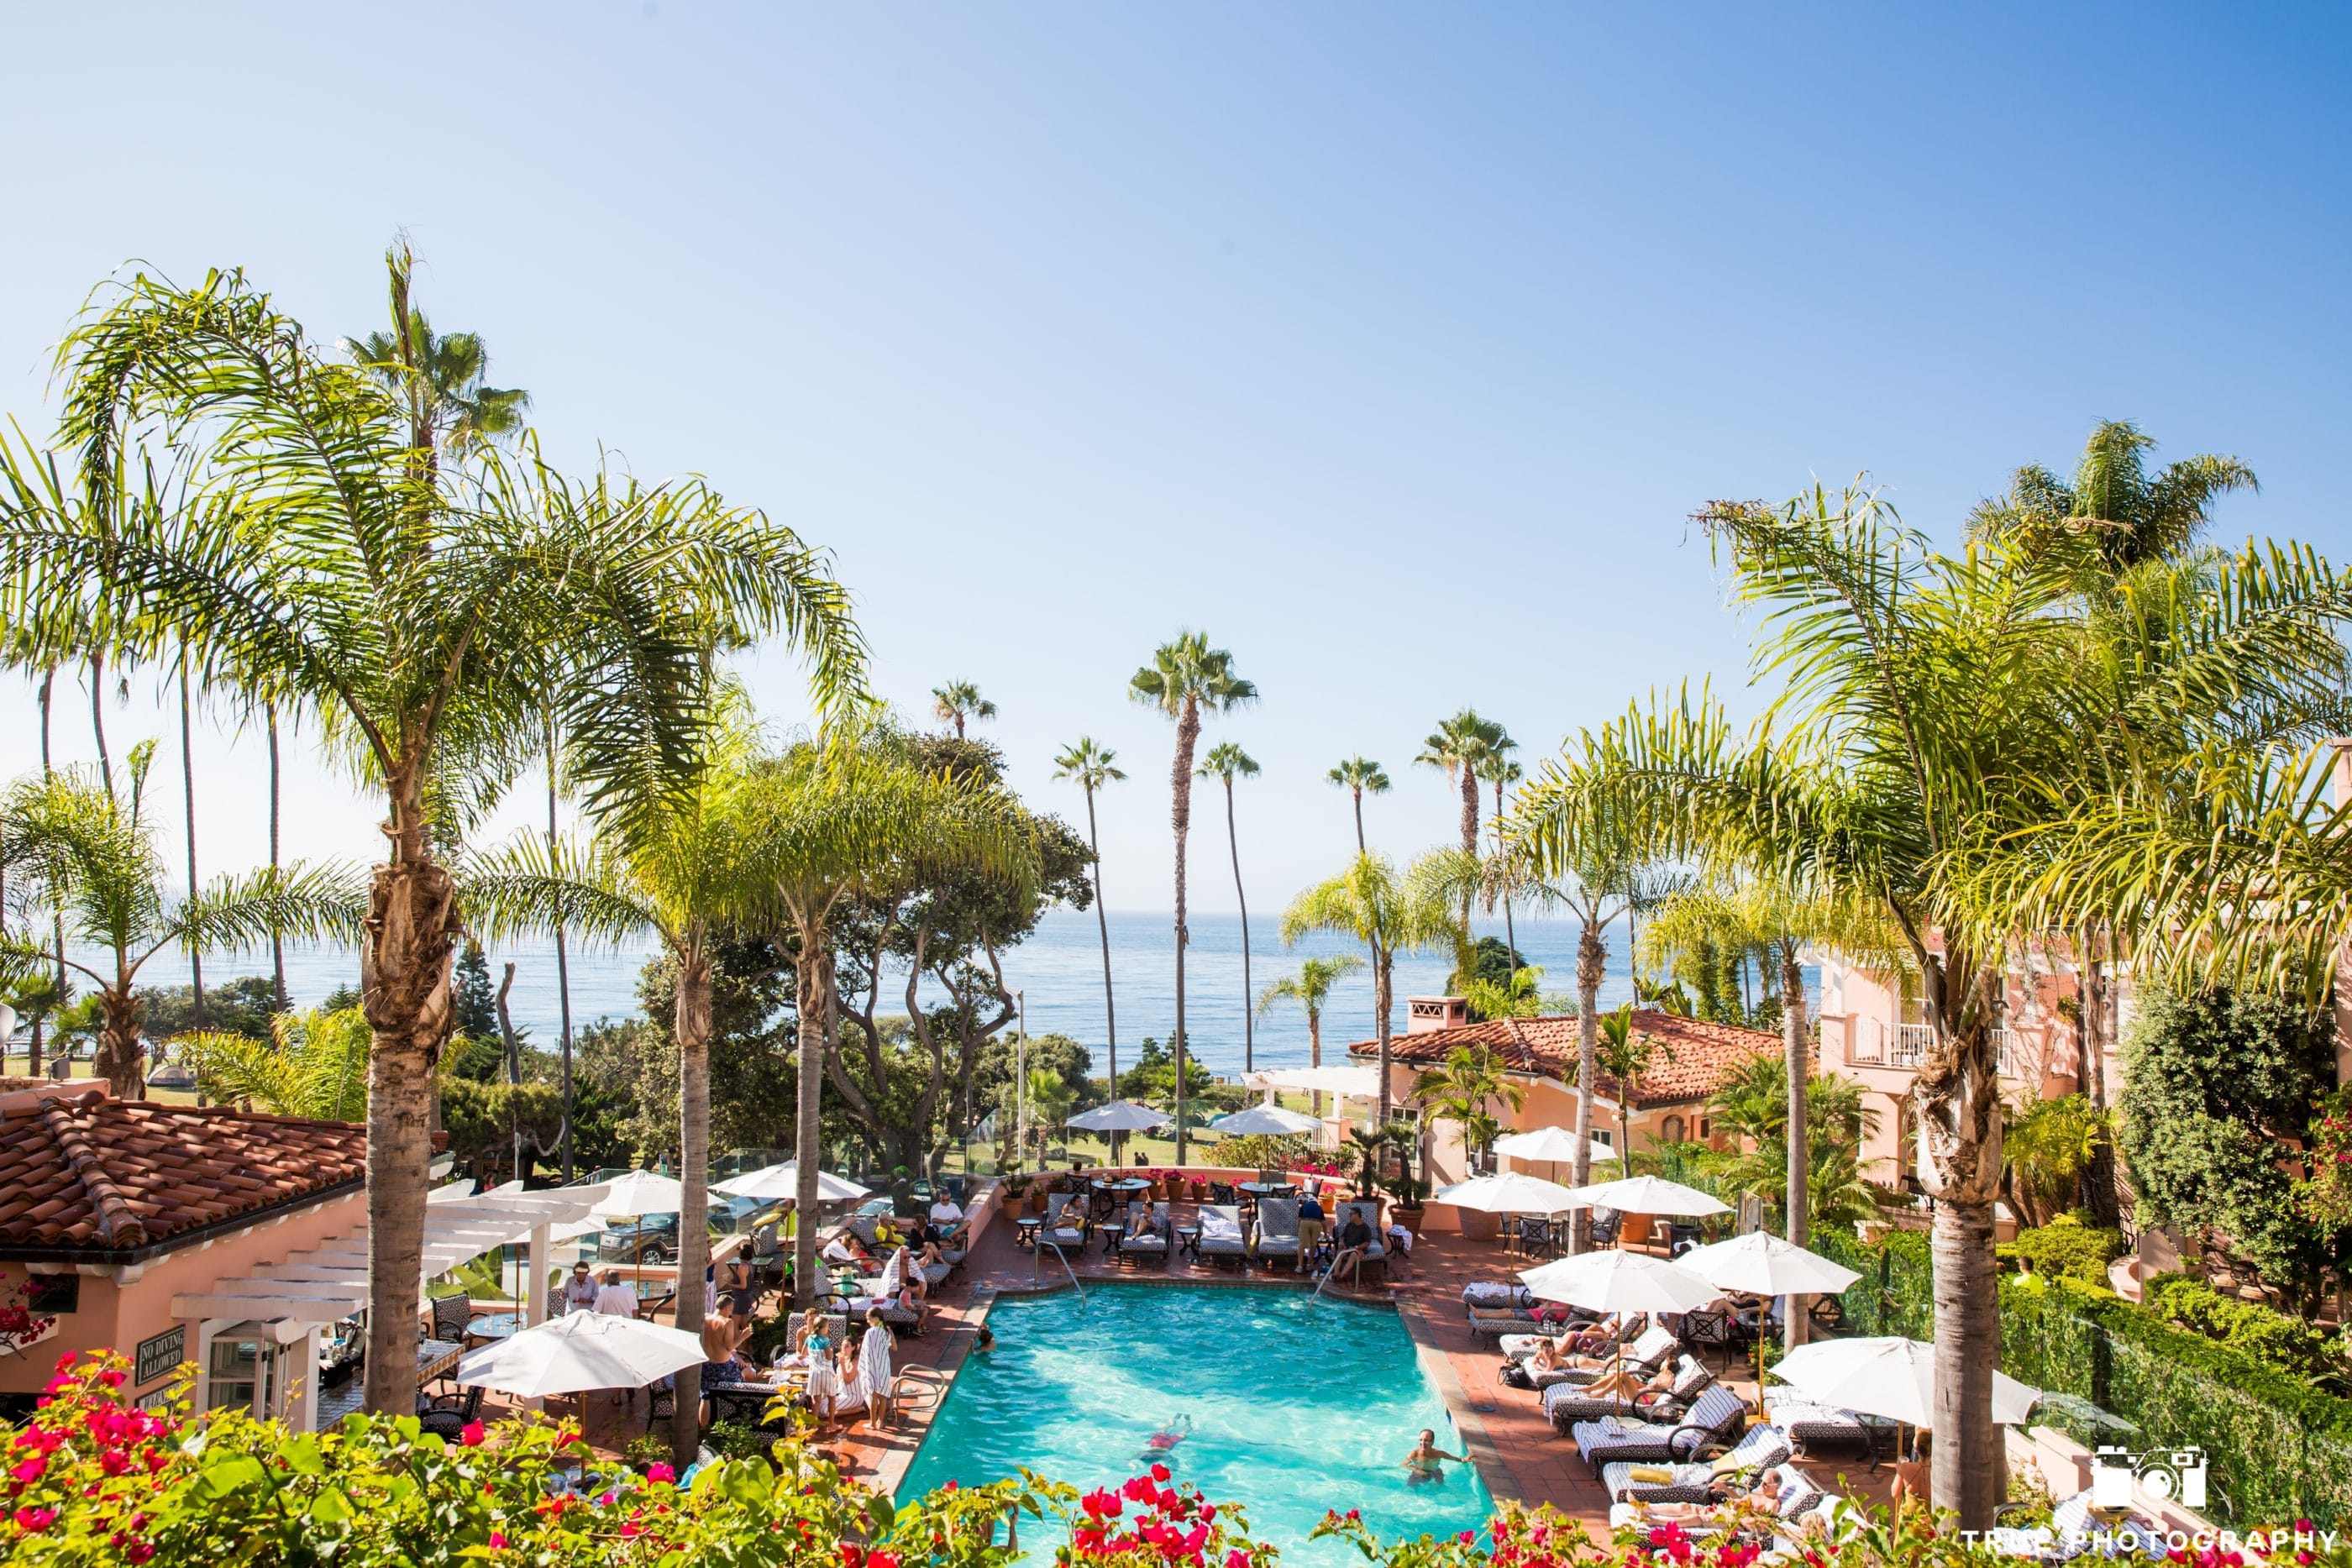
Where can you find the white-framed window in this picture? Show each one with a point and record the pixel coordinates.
(244, 1370)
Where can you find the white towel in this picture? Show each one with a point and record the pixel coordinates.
(1219, 1227)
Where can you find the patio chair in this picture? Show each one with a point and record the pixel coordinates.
(1813, 1427)
(1222, 1192)
(664, 1403)
(1147, 1237)
(453, 1318)
(1369, 1211)
(865, 1227)
(1497, 1293)
(1604, 1227)
(1572, 1406)
(1066, 1224)
(1222, 1236)
(1761, 1448)
(1642, 1357)
(447, 1417)
(1714, 1422)
(1278, 1230)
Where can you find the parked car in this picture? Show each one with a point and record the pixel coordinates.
(655, 1235)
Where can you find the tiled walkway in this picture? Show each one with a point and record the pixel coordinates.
(1515, 1448)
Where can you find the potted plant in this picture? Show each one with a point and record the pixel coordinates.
(1408, 1189)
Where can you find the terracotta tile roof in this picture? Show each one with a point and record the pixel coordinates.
(88, 1172)
(1695, 1058)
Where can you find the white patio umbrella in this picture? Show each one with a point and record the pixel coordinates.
(1510, 1192)
(641, 1192)
(1118, 1117)
(1555, 1144)
(784, 1181)
(1355, 1083)
(1264, 1119)
(1651, 1195)
(1762, 1264)
(1615, 1281)
(1890, 1376)
(578, 1352)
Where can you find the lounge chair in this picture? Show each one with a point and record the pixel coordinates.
(1761, 1450)
(1497, 1293)
(1606, 1331)
(1569, 1407)
(1652, 1351)
(1147, 1234)
(863, 1227)
(1066, 1222)
(1221, 1235)
(1369, 1211)
(2074, 1525)
(1278, 1229)
(1715, 1421)
(1814, 1427)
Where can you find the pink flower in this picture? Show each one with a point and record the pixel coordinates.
(32, 1520)
(472, 1435)
(1466, 1538)
(1159, 1472)
(29, 1471)
(852, 1554)
(657, 1472)
(112, 1377)
(1237, 1558)
(881, 1560)
(498, 1541)
(138, 1550)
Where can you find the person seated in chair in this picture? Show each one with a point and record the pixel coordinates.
(1355, 1241)
(945, 1216)
(848, 1249)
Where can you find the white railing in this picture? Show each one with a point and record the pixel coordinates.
(1908, 1047)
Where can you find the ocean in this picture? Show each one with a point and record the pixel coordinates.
(1059, 970)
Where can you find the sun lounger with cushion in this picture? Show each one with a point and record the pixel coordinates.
(1277, 1229)
(1147, 1234)
(1221, 1235)
(1715, 1420)
(1642, 1357)
(1814, 1427)
(1568, 1405)
(1066, 1222)
(1763, 1448)
(1376, 1256)
(1497, 1293)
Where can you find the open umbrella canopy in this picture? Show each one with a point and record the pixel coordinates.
(1762, 1264)
(578, 1352)
(1118, 1117)
(1356, 1082)
(1556, 1145)
(1617, 1281)
(1270, 1119)
(1510, 1192)
(1651, 1195)
(1891, 1377)
(642, 1192)
(784, 1181)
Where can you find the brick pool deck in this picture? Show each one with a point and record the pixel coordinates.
(1517, 1452)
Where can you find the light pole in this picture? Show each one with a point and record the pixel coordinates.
(1021, 1079)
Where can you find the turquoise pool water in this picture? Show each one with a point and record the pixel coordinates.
(1295, 1408)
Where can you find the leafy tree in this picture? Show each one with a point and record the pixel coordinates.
(1360, 776)
(1462, 748)
(1388, 915)
(2049, 1147)
(1227, 762)
(1050, 1101)
(441, 377)
(313, 1064)
(1185, 678)
(1520, 997)
(2127, 514)
(1153, 1076)
(473, 1000)
(1311, 988)
(1625, 1054)
(1753, 1107)
(244, 1005)
(429, 615)
(2218, 1094)
(1464, 1089)
(1089, 766)
(1070, 1063)
(490, 1125)
(958, 701)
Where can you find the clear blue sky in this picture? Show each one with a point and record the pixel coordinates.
(1391, 343)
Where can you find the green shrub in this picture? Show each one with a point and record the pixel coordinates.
(2066, 1248)
(2268, 1335)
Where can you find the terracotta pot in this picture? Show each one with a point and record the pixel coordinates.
(1410, 1219)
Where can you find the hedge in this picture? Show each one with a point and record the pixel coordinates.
(2278, 1450)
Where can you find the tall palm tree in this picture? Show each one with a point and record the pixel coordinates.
(1502, 769)
(1463, 1089)
(95, 856)
(836, 817)
(1360, 776)
(562, 957)
(1311, 988)
(681, 871)
(958, 701)
(188, 799)
(1462, 747)
(1624, 1053)
(441, 377)
(518, 592)
(1184, 678)
(1387, 913)
(1226, 760)
(2127, 514)
(1089, 766)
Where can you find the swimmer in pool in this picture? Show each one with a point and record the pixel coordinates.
(1424, 1466)
(1160, 1446)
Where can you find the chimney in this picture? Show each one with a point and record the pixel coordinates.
(1424, 1014)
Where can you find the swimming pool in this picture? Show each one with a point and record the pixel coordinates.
(1295, 1408)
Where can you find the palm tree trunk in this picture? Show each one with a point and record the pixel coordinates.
(188, 789)
(1358, 791)
(1384, 998)
(1314, 1050)
(97, 719)
(1102, 920)
(49, 685)
(563, 969)
(1795, 1042)
(691, 1026)
(118, 1042)
(2097, 994)
(1469, 813)
(1188, 736)
(1510, 935)
(1249, 1012)
(1592, 958)
(413, 924)
(1959, 1099)
(277, 940)
(811, 995)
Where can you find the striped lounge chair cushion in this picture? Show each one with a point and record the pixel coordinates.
(1603, 1443)
(1761, 1448)
(1497, 1293)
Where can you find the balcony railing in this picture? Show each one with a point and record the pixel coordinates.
(1906, 1045)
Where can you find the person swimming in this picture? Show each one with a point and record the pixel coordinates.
(1425, 1465)
(1160, 1446)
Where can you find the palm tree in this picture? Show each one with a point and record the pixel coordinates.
(1501, 770)
(188, 799)
(2127, 516)
(1388, 915)
(1184, 677)
(1360, 776)
(1310, 988)
(94, 856)
(1228, 761)
(1088, 765)
(314, 1065)
(1462, 746)
(680, 872)
(277, 939)
(518, 592)
(438, 376)
(1461, 1090)
(958, 701)
(1625, 1053)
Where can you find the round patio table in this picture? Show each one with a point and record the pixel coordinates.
(1126, 1184)
(1268, 1189)
(495, 1325)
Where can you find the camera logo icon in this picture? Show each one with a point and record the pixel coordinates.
(2170, 1475)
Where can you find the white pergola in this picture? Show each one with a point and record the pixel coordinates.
(289, 1301)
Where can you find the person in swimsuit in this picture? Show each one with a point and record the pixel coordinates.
(1160, 1446)
(1425, 1465)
